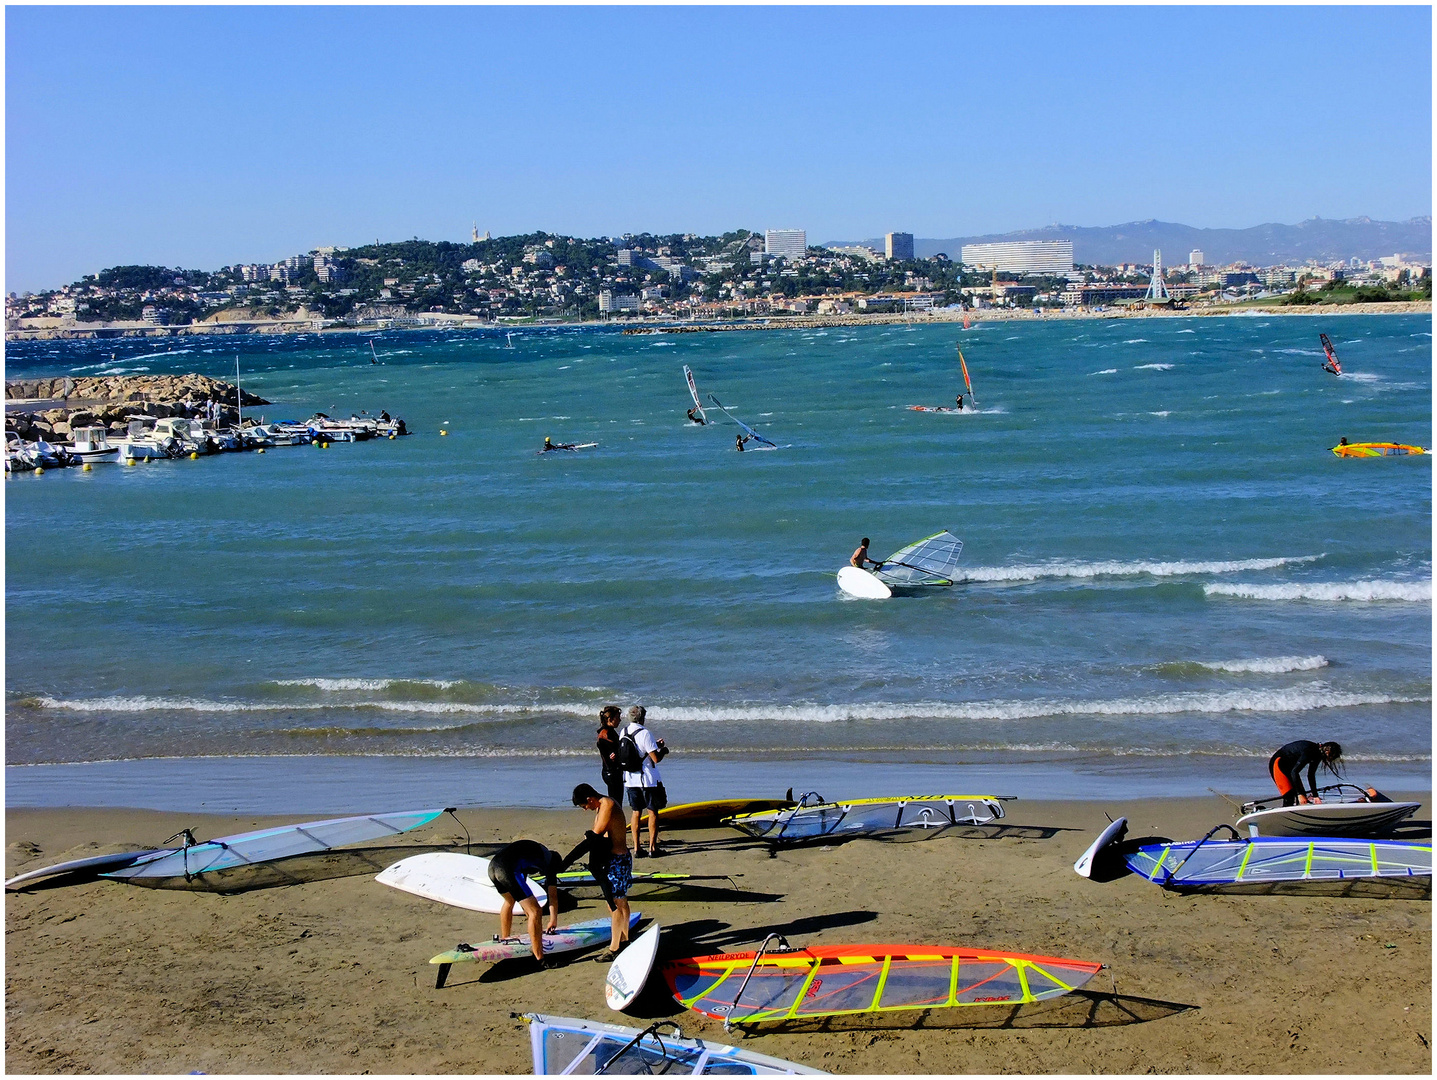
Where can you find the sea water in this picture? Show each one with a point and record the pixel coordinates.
(1166, 573)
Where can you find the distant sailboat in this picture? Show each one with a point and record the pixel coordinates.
(510, 336)
(373, 356)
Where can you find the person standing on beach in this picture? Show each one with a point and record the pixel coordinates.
(640, 754)
(509, 871)
(607, 844)
(1287, 763)
(608, 745)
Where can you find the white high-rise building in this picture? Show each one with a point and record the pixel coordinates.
(1022, 256)
(789, 243)
(1195, 259)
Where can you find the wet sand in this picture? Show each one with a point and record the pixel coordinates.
(312, 967)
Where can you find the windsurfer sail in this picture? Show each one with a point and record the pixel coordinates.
(973, 401)
(1332, 364)
(748, 431)
(931, 561)
(696, 414)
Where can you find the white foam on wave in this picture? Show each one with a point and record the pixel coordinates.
(364, 684)
(1268, 665)
(145, 704)
(1416, 592)
(1126, 569)
(1362, 376)
(1296, 699)
(1105, 371)
(1164, 412)
(1153, 367)
(1136, 341)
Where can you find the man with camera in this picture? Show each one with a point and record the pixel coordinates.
(640, 754)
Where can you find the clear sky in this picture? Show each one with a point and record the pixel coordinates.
(202, 137)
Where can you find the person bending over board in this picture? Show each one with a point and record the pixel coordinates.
(859, 557)
(509, 871)
(640, 754)
(607, 844)
(1287, 764)
(697, 419)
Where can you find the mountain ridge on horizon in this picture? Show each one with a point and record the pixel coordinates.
(1324, 239)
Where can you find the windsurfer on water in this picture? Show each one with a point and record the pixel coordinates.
(738, 441)
(549, 444)
(859, 557)
(697, 419)
(960, 402)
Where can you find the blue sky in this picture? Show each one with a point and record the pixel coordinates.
(201, 137)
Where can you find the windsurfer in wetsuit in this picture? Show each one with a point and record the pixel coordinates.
(607, 844)
(697, 419)
(551, 445)
(738, 441)
(1287, 764)
(960, 402)
(509, 871)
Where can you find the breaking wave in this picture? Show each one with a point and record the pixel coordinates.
(365, 684)
(1416, 592)
(1153, 367)
(1268, 665)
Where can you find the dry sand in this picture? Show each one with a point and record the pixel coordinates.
(320, 969)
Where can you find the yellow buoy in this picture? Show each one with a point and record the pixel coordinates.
(39, 471)
(85, 467)
(194, 456)
(443, 432)
(260, 450)
(129, 461)
(391, 438)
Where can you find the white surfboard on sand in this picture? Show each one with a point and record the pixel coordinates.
(629, 972)
(452, 878)
(1111, 835)
(862, 584)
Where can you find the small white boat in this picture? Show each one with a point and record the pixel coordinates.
(92, 444)
(188, 435)
(141, 443)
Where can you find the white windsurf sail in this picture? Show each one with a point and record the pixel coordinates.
(564, 1046)
(931, 561)
(754, 435)
(694, 393)
(266, 845)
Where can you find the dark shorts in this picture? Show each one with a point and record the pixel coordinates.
(647, 798)
(619, 874)
(509, 882)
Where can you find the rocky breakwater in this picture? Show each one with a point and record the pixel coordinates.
(61, 405)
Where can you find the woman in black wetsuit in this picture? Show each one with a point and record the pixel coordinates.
(608, 744)
(1287, 764)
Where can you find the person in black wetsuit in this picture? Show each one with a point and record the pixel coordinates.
(697, 419)
(608, 746)
(1287, 764)
(509, 871)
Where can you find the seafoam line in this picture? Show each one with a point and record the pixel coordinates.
(1416, 592)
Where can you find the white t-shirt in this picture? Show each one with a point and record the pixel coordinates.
(644, 740)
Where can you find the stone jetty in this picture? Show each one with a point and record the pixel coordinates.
(60, 405)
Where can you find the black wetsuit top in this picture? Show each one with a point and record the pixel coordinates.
(1292, 759)
(523, 859)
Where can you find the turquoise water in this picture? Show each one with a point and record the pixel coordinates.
(1168, 575)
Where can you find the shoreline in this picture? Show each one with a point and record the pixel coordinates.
(282, 327)
(335, 784)
(330, 972)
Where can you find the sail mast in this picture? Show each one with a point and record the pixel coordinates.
(239, 401)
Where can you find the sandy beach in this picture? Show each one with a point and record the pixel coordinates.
(314, 967)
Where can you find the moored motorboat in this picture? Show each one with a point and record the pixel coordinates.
(92, 444)
(142, 443)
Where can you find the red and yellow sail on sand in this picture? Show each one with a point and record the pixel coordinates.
(747, 987)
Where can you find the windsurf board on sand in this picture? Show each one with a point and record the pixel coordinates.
(1328, 819)
(712, 812)
(1111, 835)
(571, 938)
(452, 878)
(629, 972)
(95, 864)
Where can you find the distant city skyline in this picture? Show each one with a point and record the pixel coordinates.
(131, 138)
